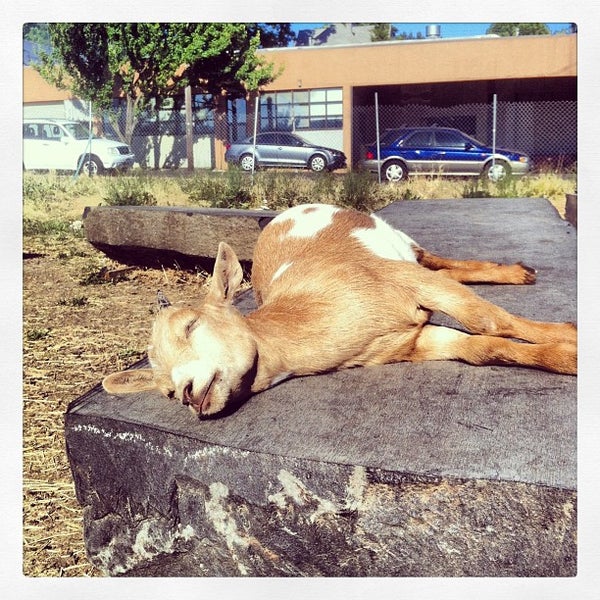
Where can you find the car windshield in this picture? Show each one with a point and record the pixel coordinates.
(78, 131)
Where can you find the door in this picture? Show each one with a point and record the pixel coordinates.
(267, 148)
(417, 150)
(292, 150)
(455, 154)
(43, 147)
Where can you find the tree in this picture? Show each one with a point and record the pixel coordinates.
(152, 61)
(382, 32)
(513, 29)
(36, 33)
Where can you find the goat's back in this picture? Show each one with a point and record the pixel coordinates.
(310, 245)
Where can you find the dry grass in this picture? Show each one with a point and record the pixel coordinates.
(73, 334)
(75, 331)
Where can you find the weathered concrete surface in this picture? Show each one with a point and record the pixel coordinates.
(435, 469)
(163, 235)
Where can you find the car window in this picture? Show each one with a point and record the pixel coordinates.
(449, 139)
(51, 132)
(78, 131)
(285, 139)
(418, 139)
(29, 131)
(269, 139)
(389, 136)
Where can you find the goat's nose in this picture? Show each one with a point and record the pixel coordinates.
(187, 394)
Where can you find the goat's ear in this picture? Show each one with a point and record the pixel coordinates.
(126, 382)
(227, 276)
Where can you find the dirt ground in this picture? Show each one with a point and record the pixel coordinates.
(77, 327)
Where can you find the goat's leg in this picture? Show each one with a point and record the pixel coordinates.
(442, 343)
(438, 293)
(475, 271)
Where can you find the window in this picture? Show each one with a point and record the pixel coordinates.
(419, 139)
(302, 109)
(449, 139)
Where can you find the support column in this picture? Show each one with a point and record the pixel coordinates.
(221, 133)
(347, 113)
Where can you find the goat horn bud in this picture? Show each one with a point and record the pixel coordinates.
(161, 300)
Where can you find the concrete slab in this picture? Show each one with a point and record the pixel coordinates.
(435, 469)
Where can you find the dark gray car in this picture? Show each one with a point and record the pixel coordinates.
(283, 149)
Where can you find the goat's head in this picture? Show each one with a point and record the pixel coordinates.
(206, 356)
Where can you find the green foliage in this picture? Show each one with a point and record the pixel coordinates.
(381, 32)
(158, 60)
(153, 61)
(36, 33)
(512, 29)
(358, 191)
(44, 227)
(223, 190)
(36, 334)
(477, 188)
(44, 190)
(128, 191)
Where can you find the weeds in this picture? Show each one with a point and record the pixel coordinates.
(223, 190)
(34, 335)
(42, 227)
(53, 204)
(76, 301)
(128, 191)
(358, 191)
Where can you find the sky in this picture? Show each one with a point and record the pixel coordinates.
(448, 30)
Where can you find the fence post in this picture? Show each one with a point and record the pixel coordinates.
(189, 128)
(377, 137)
(494, 105)
(257, 102)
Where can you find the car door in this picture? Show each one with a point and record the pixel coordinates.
(46, 150)
(267, 148)
(39, 149)
(455, 154)
(417, 151)
(292, 150)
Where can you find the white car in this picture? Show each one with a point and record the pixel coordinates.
(53, 144)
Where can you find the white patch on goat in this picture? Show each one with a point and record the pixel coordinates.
(212, 357)
(385, 241)
(282, 269)
(308, 219)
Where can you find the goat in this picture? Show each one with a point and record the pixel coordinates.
(336, 288)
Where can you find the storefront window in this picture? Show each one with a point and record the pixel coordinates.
(301, 109)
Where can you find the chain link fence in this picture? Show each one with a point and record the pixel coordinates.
(546, 130)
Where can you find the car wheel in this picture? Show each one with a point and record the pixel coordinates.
(247, 162)
(91, 165)
(317, 163)
(394, 170)
(497, 171)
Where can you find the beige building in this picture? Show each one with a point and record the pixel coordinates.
(327, 93)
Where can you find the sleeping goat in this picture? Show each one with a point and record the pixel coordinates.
(336, 288)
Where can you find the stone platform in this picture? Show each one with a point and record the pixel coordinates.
(435, 469)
